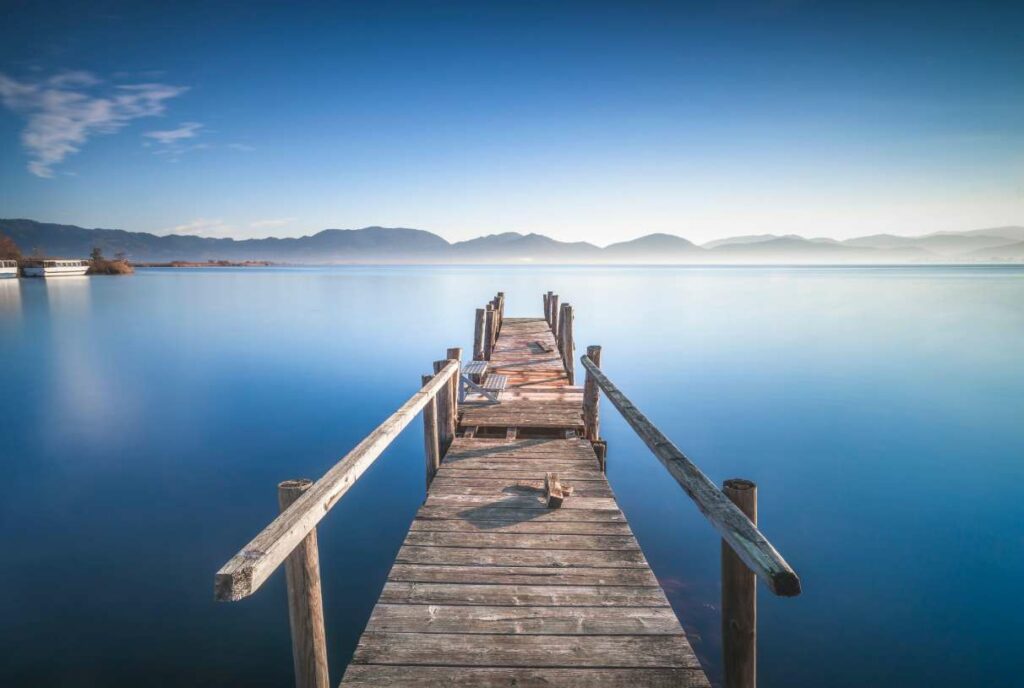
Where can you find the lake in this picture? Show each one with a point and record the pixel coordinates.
(146, 421)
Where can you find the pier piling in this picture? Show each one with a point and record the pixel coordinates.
(739, 598)
(305, 600)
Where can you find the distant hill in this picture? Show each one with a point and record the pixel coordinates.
(1013, 251)
(654, 248)
(403, 245)
(512, 247)
(941, 244)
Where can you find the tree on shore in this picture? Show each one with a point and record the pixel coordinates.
(8, 249)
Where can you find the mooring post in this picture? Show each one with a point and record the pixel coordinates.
(501, 311)
(591, 397)
(488, 331)
(547, 312)
(553, 305)
(431, 443)
(305, 600)
(568, 347)
(445, 411)
(601, 451)
(739, 598)
(478, 335)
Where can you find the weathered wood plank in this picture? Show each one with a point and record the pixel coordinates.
(528, 595)
(533, 541)
(522, 575)
(517, 487)
(521, 502)
(497, 512)
(384, 676)
(423, 618)
(461, 473)
(245, 572)
(735, 528)
(458, 525)
(526, 650)
(412, 554)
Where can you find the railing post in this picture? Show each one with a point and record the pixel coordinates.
(445, 409)
(591, 397)
(739, 598)
(478, 335)
(305, 601)
(488, 331)
(431, 444)
(553, 305)
(565, 341)
(455, 354)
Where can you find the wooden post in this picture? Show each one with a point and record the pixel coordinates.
(431, 444)
(455, 354)
(478, 335)
(591, 397)
(501, 310)
(547, 311)
(565, 330)
(488, 331)
(553, 305)
(305, 601)
(445, 409)
(739, 598)
(601, 450)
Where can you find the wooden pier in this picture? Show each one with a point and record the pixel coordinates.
(519, 568)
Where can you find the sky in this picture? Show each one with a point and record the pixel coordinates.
(583, 121)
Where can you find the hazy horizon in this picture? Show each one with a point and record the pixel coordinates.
(580, 122)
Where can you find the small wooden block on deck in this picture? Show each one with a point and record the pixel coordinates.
(554, 491)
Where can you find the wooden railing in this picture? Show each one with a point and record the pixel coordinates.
(291, 537)
(746, 553)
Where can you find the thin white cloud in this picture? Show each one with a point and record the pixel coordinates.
(271, 224)
(64, 111)
(201, 227)
(187, 130)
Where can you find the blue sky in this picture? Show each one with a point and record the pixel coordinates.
(584, 121)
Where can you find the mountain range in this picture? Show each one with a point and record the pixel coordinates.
(383, 245)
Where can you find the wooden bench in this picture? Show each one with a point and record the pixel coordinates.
(490, 388)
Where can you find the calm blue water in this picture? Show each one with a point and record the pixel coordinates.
(145, 423)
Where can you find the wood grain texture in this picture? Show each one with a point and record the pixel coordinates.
(383, 676)
(245, 572)
(739, 599)
(305, 600)
(744, 537)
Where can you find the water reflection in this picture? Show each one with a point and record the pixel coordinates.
(68, 295)
(10, 296)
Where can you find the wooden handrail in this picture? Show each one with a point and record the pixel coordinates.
(735, 528)
(249, 569)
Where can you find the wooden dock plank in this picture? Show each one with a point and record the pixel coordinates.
(424, 618)
(454, 525)
(465, 649)
(384, 676)
(522, 575)
(493, 588)
(523, 595)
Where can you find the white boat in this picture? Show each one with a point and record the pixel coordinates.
(57, 268)
(8, 268)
